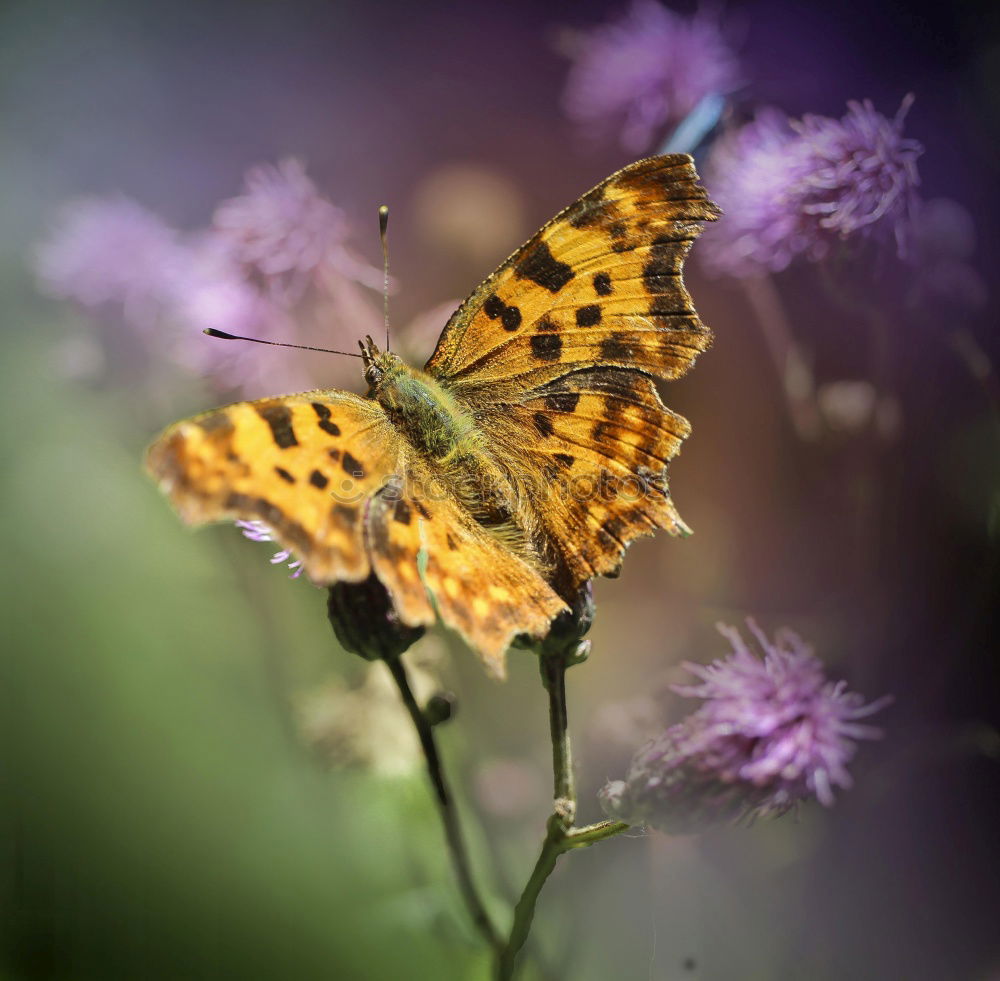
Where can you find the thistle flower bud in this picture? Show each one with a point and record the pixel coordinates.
(365, 622)
(440, 707)
(565, 636)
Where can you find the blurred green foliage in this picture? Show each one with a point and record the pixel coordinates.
(160, 821)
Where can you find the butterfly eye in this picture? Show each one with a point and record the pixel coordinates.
(373, 375)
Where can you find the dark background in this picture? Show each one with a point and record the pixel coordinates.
(161, 819)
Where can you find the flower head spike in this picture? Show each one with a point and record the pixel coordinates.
(257, 531)
(648, 69)
(108, 252)
(285, 234)
(797, 187)
(772, 731)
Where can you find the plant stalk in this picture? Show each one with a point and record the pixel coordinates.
(560, 836)
(446, 808)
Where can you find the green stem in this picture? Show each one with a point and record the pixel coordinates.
(559, 834)
(553, 669)
(446, 808)
(524, 911)
(557, 840)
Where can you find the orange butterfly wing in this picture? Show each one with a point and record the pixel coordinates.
(330, 476)
(304, 464)
(551, 351)
(435, 559)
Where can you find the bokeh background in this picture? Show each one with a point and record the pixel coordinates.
(199, 783)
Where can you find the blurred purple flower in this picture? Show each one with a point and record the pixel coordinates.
(771, 733)
(796, 187)
(213, 292)
(274, 266)
(286, 235)
(257, 531)
(103, 252)
(648, 69)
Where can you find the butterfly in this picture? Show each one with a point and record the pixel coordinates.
(519, 463)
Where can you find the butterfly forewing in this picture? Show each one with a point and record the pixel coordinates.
(599, 284)
(303, 464)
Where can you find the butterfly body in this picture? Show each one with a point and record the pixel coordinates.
(422, 409)
(519, 463)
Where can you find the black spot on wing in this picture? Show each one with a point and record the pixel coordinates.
(602, 284)
(284, 475)
(660, 274)
(344, 513)
(565, 459)
(334, 454)
(592, 209)
(318, 480)
(279, 419)
(325, 423)
(542, 267)
(421, 510)
(669, 306)
(510, 316)
(216, 423)
(562, 401)
(617, 346)
(543, 424)
(493, 306)
(588, 316)
(402, 513)
(546, 347)
(352, 466)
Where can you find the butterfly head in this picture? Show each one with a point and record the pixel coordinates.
(381, 367)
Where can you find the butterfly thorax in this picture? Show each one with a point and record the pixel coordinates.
(444, 434)
(420, 408)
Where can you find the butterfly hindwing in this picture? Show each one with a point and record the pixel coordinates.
(436, 560)
(602, 439)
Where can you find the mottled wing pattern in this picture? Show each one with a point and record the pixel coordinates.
(599, 447)
(334, 481)
(436, 560)
(555, 351)
(305, 465)
(600, 284)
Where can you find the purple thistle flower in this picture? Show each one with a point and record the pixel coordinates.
(213, 292)
(257, 531)
(104, 252)
(797, 187)
(771, 732)
(286, 235)
(648, 69)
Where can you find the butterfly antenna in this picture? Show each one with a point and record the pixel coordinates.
(212, 332)
(383, 224)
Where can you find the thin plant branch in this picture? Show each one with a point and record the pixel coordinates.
(553, 669)
(794, 372)
(560, 836)
(446, 808)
